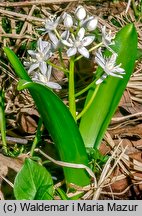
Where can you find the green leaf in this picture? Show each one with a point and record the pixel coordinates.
(108, 94)
(58, 122)
(63, 129)
(33, 182)
(62, 194)
(17, 65)
(3, 121)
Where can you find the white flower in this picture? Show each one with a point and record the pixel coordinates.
(56, 43)
(51, 24)
(39, 57)
(107, 37)
(68, 21)
(79, 43)
(44, 79)
(92, 23)
(80, 12)
(109, 66)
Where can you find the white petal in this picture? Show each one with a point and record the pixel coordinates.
(80, 12)
(58, 20)
(84, 22)
(64, 15)
(104, 31)
(113, 58)
(42, 78)
(71, 41)
(46, 45)
(100, 61)
(88, 40)
(117, 69)
(32, 53)
(65, 35)
(53, 38)
(83, 51)
(43, 67)
(92, 24)
(68, 21)
(41, 29)
(38, 81)
(47, 55)
(33, 67)
(121, 70)
(71, 51)
(80, 34)
(66, 43)
(27, 64)
(53, 85)
(39, 45)
(48, 73)
(115, 75)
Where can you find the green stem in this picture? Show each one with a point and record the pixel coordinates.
(61, 58)
(85, 89)
(58, 67)
(3, 122)
(88, 104)
(72, 105)
(37, 137)
(57, 34)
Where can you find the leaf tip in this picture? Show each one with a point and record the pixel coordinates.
(22, 84)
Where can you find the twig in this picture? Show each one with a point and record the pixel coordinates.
(16, 140)
(7, 181)
(17, 36)
(118, 119)
(29, 3)
(128, 6)
(24, 27)
(22, 16)
(123, 192)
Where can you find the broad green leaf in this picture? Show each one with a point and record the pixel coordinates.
(108, 94)
(63, 129)
(16, 64)
(58, 122)
(33, 182)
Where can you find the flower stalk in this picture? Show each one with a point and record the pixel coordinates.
(72, 104)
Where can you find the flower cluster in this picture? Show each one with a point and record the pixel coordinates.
(77, 36)
(37, 67)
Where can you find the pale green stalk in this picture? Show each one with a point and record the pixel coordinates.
(72, 105)
(37, 137)
(85, 89)
(88, 104)
(58, 67)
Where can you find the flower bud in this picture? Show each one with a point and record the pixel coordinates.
(92, 24)
(80, 12)
(68, 21)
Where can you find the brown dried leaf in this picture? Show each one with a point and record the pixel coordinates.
(127, 131)
(27, 120)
